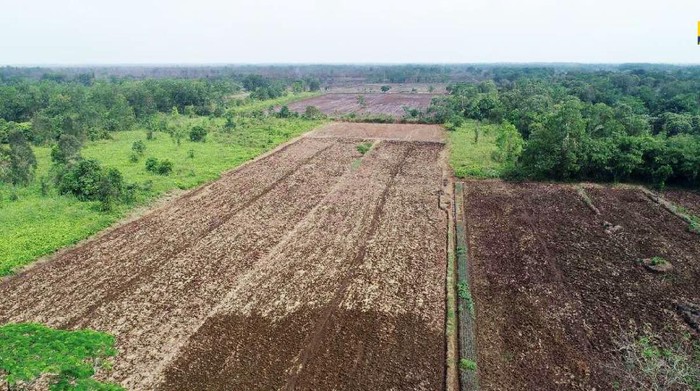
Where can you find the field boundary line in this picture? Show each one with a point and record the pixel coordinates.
(451, 338)
(269, 255)
(468, 369)
(669, 206)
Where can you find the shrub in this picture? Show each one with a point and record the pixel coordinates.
(198, 134)
(313, 112)
(138, 147)
(165, 167)
(364, 147)
(162, 167)
(88, 181)
(151, 164)
(22, 162)
(67, 149)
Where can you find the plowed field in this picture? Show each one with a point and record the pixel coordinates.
(336, 104)
(312, 268)
(555, 292)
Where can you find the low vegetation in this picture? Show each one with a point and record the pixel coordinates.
(66, 360)
(473, 150)
(363, 148)
(654, 361)
(467, 365)
(78, 189)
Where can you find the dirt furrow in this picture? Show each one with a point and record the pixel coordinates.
(286, 295)
(97, 268)
(394, 291)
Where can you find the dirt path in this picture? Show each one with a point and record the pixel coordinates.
(300, 271)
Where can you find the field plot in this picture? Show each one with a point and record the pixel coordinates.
(315, 267)
(387, 104)
(558, 291)
(368, 131)
(688, 200)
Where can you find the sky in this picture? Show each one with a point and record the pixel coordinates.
(73, 32)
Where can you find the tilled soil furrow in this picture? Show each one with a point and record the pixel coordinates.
(173, 300)
(96, 267)
(394, 294)
(285, 295)
(312, 344)
(554, 289)
(124, 288)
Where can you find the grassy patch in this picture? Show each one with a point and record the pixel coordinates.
(464, 293)
(363, 148)
(656, 361)
(263, 105)
(69, 358)
(33, 224)
(474, 158)
(467, 365)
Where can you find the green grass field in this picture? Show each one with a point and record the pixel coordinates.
(474, 159)
(33, 225)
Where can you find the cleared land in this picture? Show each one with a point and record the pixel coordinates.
(314, 267)
(335, 104)
(555, 293)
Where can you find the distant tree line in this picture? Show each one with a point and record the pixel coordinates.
(64, 110)
(626, 124)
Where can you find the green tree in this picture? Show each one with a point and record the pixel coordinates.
(557, 149)
(22, 162)
(385, 88)
(510, 144)
(66, 150)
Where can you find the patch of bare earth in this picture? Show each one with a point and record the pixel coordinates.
(338, 104)
(302, 270)
(686, 199)
(406, 132)
(554, 291)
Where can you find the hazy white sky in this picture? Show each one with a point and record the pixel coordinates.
(341, 31)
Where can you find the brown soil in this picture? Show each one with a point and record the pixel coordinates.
(553, 290)
(689, 200)
(336, 104)
(407, 132)
(302, 270)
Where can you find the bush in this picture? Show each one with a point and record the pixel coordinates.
(313, 112)
(89, 181)
(165, 167)
(162, 167)
(198, 134)
(139, 147)
(22, 162)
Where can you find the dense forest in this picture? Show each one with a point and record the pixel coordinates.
(566, 122)
(627, 124)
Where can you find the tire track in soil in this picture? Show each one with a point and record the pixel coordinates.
(313, 342)
(122, 289)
